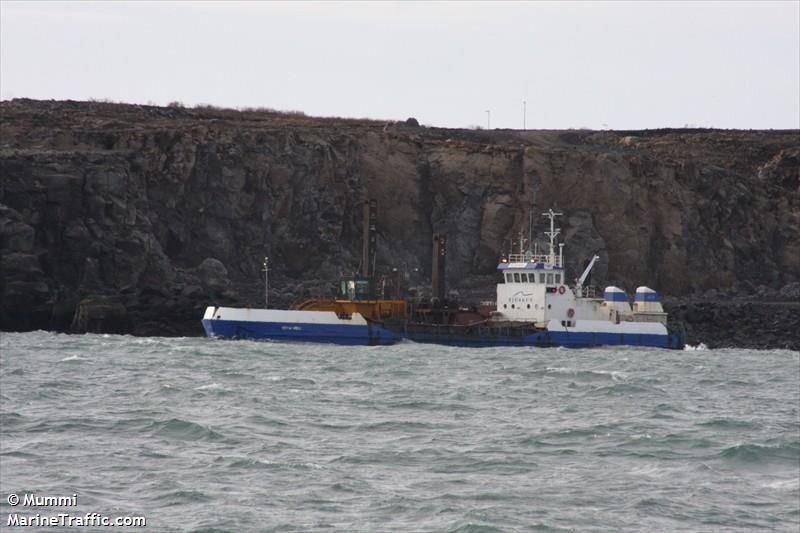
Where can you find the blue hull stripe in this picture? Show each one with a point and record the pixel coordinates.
(584, 339)
(554, 338)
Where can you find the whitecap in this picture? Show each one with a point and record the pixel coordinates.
(147, 340)
(699, 348)
(649, 471)
(616, 375)
(783, 484)
(561, 370)
(210, 386)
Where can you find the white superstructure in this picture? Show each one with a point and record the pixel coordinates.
(534, 289)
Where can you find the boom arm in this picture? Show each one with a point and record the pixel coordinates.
(586, 272)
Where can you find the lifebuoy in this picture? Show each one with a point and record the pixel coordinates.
(571, 313)
(562, 290)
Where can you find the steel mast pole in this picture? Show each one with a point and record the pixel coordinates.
(266, 283)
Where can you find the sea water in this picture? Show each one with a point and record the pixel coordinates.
(196, 434)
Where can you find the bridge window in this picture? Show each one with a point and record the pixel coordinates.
(524, 277)
(558, 277)
(541, 277)
(550, 279)
(509, 279)
(516, 277)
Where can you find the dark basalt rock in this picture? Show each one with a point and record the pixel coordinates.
(213, 277)
(101, 314)
(167, 210)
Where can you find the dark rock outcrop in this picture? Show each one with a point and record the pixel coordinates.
(169, 209)
(101, 314)
(748, 324)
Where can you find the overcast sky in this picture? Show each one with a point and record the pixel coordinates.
(595, 65)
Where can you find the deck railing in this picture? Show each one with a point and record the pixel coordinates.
(589, 292)
(533, 258)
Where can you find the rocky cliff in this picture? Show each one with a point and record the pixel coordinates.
(133, 218)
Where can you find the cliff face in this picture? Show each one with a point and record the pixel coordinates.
(138, 216)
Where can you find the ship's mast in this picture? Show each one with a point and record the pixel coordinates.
(369, 239)
(533, 247)
(522, 241)
(266, 282)
(553, 233)
(530, 229)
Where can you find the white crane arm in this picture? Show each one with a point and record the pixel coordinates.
(586, 272)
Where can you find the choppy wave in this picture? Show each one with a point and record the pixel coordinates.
(589, 375)
(788, 452)
(731, 424)
(73, 358)
(249, 463)
(204, 435)
(176, 428)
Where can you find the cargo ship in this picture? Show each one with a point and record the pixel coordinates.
(534, 306)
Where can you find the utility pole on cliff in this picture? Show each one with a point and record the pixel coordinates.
(266, 282)
(524, 115)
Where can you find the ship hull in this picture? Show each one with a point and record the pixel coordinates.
(294, 326)
(547, 339)
(588, 339)
(298, 332)
(489, 335)
(328, 328)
